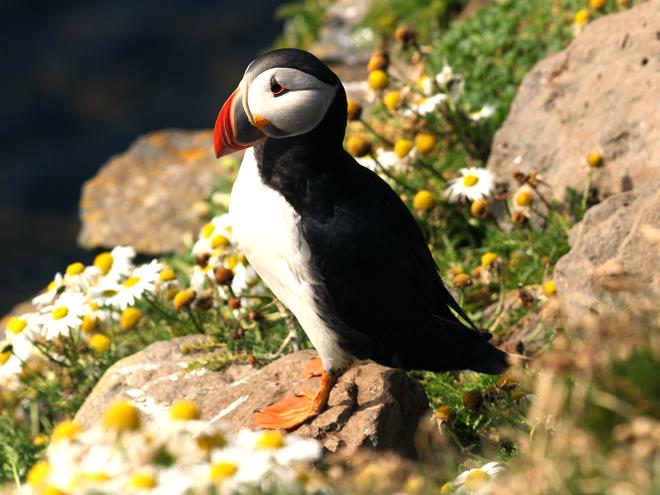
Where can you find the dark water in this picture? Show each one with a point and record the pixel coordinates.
(79, 81)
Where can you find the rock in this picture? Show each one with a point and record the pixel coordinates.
(337, 43)
(615, 253)
(370, 406)
(147, 196)
(599, 94)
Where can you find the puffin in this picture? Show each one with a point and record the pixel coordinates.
(331, 239)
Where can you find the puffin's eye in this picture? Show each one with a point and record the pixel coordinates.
(276, 88)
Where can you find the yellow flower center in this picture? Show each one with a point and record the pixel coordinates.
(446, 488)
(129, 318)
(16, 325)
(581, 17)
(207, 442)
(184, 410)
(104, 262)
(74, 269)
(67, 429)
(109, 293)
(99, 343)
(122, 416)
(142, 480)
(271, 440)
(98, 476)
(4, 357)
(219, 241)
(59, 313)
(476, 479)
(222, 470)
(51, 490)
(470, 180)
(131, 281)
(207, 230)
(38, 473)
(594, 159)
(52, 286)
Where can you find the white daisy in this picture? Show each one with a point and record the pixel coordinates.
(477, 481)
(485, 112)
(14, 351)
(474, 183)
(445, 76)
(121, 295)
(389, 160)
(63, 315)
(48, 296)
(215, 236)
(425, 85)
(245, 278)
(114, 265)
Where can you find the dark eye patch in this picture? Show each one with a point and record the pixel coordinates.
(276, 88)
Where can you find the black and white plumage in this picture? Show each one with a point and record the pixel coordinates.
(330, 238)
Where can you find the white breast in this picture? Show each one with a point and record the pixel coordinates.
(267, 230)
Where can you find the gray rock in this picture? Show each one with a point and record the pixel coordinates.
(146, 197)
(599, 94)
(614, 256)
(370, 406)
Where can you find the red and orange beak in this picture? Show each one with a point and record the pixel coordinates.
(234, 130)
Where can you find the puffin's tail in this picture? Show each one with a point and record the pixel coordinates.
(446, 345)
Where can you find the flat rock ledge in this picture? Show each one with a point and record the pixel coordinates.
(370, 406)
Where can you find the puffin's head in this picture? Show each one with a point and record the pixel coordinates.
(283, 93)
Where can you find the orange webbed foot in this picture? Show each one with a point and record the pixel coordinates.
(291, 412)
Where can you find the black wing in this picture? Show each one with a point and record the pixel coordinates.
(380, 286)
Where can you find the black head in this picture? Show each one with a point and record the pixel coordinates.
(284, 94)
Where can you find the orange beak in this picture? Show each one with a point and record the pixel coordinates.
(233, 130)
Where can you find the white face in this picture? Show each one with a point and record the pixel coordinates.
(291, 100)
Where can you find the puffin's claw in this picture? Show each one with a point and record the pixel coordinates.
(291, 412)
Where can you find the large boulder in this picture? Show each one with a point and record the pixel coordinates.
(370, 406)
(614, 256)
(599, 94)
(146, 196)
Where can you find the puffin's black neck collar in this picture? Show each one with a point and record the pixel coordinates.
(307, 152)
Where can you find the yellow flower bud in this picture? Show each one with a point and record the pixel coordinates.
(378, 80)
(524, 198)
(354, 110)
(167, 275)
(549, 288)
(594, 159)
(122, 416)
(129, 318)
(402, 147)
(445, 413)
(581, 17)
(99, 343)
(183, 410)
(40, 440)
(207, 230)
(597, 4)
(392, 100)
(358, 146)
(4, 357)
(183, 299)
(378, 61)
(479, 208)
(424, 200)
(488, 259)
(88, 324)
(219, 240)
(425, 143)
(59, 313)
